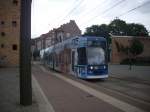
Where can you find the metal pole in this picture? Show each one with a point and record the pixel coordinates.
(25, 53)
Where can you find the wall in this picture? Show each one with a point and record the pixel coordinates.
(117, 57)
(9, 31)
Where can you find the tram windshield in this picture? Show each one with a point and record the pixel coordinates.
(95, 55)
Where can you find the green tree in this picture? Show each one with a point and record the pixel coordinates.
(97, 30)
(136, 30)
(118, 27)
(92, 31)
(136, 47)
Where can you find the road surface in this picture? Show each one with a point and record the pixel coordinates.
(66, 93)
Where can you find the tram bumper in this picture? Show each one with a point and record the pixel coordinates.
(97, 76)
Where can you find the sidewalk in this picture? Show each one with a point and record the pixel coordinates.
(9, 93)
(67, 95)
(63, 96)
(137, 73)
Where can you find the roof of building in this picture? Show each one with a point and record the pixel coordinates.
(71, 26)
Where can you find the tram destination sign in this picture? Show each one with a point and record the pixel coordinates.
(95, 43)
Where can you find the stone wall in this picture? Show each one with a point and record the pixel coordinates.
(9, 32)
(117, 56)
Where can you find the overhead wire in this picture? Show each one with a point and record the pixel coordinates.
(139, 6)
(72, 10)
(105, 11)
(101, 3)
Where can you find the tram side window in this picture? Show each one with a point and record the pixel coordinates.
(82, 59)
(50, 59)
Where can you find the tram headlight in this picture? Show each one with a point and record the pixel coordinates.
(91, 67)
(104, 67)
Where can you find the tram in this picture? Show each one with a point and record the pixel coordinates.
(83, 56)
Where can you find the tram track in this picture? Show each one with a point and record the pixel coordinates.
(104, 86)
(100, 86)
(120, 92)
(131, 99)
(99, 83)
(131, 80)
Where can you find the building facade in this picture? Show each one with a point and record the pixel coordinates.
(117, 56)
(9, 32)
(57, 35)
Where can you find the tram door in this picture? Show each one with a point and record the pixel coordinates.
(73, 59)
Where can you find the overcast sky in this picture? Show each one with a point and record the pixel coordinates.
(49, 14)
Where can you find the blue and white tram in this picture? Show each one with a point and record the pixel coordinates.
(84, 56)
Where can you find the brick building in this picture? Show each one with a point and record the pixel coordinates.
(118, 56)
(56, 35)
(9, 32)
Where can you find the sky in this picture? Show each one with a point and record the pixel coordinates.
(49, 14)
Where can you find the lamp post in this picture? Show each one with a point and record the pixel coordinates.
(25, 53)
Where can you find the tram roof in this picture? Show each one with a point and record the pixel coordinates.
(93, 38)
(61, 45)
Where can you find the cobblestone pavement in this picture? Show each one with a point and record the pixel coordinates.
(9, 92)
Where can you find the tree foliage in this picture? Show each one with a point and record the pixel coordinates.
(136, 30)
(136, 47)
(97, 30)
(117, 27)
(120, 27)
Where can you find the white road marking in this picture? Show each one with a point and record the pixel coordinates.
(106, 98)
(44, 104)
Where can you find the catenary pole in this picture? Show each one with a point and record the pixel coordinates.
(25, 53)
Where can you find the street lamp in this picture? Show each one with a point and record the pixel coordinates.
(25, 53)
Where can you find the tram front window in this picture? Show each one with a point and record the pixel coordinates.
(95, 55)
(82, 58)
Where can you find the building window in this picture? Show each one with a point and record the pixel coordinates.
(60, 39)
(14, 47)
(68, 34)
(2, 45)
(14, 23)
(2, 22)
(3, 34)
(15, 2)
